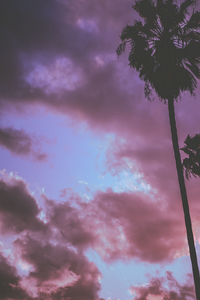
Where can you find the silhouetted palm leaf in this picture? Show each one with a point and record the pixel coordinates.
(191, 164)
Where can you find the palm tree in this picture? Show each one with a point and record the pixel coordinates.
(191, 164)
(165, 50)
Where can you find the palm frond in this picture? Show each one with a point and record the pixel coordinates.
(194, 69)
(121, 48)
(194, 21)
(184, 7)
(145, 9)
(167, 12)
(191, 164)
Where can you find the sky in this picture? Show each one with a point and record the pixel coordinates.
(89, 202)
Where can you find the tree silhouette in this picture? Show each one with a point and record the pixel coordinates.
(191, 164)
(165, 50)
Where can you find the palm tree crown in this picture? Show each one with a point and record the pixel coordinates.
(165, 48)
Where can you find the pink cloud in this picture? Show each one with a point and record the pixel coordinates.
(117, 225)
(58, 270)
(132, 225)
(70, 224)
(156, 289)
(51, 253)
(9, 282)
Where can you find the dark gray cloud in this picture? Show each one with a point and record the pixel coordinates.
(19, 142)
(9, 282)
(35, 31)
(59, 271)
(52, 251)
(18, 209)
(86, 34)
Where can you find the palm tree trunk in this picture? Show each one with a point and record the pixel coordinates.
(181, 180)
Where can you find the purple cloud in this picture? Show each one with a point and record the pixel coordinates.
(19, 142)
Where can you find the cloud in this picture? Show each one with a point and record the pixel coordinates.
(9, 282)
(119, 226)
(71, 224)
(49, 33)
(18, 209)
(58, 270)
(156, 289)
(115, 224)
(18, 142)
(46, 255)
(59, 43)
(55, 59)
(131, 225)
(64, 63)
(48, 252)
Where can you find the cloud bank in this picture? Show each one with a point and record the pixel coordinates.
(48, 243)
